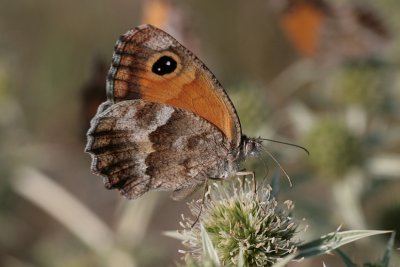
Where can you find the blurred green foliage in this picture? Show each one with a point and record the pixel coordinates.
(334, 149)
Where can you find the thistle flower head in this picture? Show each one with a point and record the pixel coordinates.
(242, 225)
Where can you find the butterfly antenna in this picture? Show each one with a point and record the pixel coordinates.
(285, 143)
(280, 166)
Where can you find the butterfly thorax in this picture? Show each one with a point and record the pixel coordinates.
(248, 147)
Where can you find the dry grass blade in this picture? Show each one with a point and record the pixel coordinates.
(134, 217)
(41, 190)
(45, 193)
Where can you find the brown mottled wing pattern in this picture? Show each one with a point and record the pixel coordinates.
(140, 146)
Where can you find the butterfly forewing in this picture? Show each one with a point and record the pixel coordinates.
(151, 65)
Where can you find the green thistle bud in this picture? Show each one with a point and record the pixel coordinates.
(333, 148)
(243, 226)
(362, 84)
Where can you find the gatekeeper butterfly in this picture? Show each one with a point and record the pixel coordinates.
(318, 28)
(167, 124)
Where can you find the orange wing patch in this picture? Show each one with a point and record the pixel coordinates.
(193, 92)
(190, 86)
(302, 24)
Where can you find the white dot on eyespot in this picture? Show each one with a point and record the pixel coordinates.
(168, 63)
(158, 69)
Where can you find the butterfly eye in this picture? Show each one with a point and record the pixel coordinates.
(164, 65)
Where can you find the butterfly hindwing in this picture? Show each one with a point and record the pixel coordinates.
(139, 146)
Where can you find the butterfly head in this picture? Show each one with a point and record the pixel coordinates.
(251, 146)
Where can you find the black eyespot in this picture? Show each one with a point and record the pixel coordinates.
(164, 65)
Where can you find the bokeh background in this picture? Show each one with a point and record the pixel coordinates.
(322, 74)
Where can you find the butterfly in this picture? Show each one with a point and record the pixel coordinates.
(167, 124)
(322, 30)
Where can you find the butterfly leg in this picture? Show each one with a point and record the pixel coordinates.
(244, 173)
(205, 189)
(203, 199)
